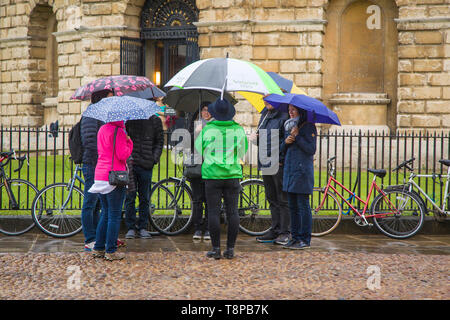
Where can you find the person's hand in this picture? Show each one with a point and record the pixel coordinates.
(294, 131)
(289, 139)
(253, 137)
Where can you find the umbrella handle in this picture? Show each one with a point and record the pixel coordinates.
(223, 88)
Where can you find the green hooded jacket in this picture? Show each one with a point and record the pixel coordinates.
(222, 144)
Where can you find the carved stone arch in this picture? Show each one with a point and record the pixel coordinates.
(42, 73)
(360, 62)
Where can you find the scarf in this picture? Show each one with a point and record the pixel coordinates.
(291, 123)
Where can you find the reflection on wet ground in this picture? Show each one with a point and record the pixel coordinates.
(419, 244)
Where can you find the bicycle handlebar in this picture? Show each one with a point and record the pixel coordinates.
(7, 155)
(405, 164)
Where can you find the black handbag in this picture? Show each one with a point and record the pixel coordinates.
(117, 178)
(191, 170)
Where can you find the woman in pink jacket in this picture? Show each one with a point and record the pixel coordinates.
(111, 197)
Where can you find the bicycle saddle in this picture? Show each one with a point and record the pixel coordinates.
(378, 172)
(445, 162)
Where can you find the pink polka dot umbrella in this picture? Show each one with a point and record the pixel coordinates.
(119, 84)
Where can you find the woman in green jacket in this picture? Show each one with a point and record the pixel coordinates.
(222, 143)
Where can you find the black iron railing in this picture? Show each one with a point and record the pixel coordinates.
(49, 159)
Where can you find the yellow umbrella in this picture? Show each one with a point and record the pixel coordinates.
(256, 99)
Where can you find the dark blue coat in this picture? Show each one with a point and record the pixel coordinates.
(298, 175)
(269, 120)
(89, 129)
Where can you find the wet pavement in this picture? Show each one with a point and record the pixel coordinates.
(369, 243)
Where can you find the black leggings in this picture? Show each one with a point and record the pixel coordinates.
(228, 189)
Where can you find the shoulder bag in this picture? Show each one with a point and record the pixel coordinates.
(117, 178)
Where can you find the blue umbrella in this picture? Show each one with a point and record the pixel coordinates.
(283, 83)
(153, 92)
(316, 111)
(121, 109)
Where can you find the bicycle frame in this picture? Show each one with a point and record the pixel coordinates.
(5, 179)
(412, 183)
(71, 183)
(366, 202)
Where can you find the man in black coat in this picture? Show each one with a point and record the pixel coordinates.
(272, 119)
(148, 140)
(91, 208)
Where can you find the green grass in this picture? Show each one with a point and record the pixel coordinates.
(59, 169)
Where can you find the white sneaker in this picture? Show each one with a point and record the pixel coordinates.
(88, 247)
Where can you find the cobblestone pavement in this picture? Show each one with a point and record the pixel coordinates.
(35, 266)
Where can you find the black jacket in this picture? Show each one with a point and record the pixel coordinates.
(271, 120)
(148, 140)
(89, 129)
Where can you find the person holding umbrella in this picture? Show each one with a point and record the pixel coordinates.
(299, 147)
(222, 143)
(114, 147)
(112, 140)
(298, 179)
(90, 211)
(199, 119)
(273, 119)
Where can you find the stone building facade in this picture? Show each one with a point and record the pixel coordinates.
(381, 64)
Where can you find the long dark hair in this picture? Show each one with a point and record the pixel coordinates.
(99, 95)
(303, 117)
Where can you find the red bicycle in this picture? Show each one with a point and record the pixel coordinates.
(396, 213)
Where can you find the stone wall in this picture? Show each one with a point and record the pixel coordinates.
(278, 36)
(284, 36)
(88, 46)
(424, 65)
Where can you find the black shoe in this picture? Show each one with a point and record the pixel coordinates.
(197, 235)
(267, 238)
(291, 243)
(299, 245)
(229, 253)
(214, 253)
(282, 239)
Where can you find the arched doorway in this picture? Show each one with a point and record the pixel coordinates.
(360, 62)
(167, 43)
(43, 62)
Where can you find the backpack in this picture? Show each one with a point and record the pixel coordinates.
(75, 146)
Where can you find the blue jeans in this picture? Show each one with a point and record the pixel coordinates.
(90, 212)
(143, 184)
(301, 217)
(109, 224)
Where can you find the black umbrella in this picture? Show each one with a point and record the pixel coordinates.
(153, 92)
(189, 100)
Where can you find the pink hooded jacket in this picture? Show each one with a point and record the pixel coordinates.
(105, 139)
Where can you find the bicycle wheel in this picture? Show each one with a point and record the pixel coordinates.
(404, 223)
(171, 206)
(325, 217)
(16, 220)
(254, 212)
(57, 211)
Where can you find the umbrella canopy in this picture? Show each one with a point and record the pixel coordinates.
(120, 84)
(285, 85)
(189, 100)
(316, 111)
(149, 93)
(224, 74)
(121, 108)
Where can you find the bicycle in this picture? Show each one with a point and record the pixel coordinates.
(396, 213)
(440, 212)
(171, 210)
(57, 207)
(16, 197)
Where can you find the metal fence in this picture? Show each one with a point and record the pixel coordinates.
(49, 162)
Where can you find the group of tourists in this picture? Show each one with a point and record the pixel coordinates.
(222, 143)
